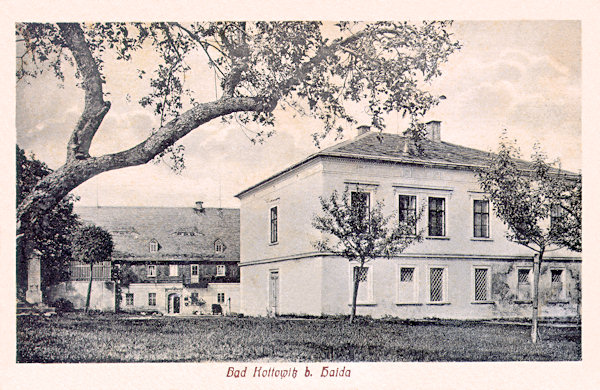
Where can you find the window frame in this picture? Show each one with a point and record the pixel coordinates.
(152, 299)
(413, 211)
(368, 196)
(444, 217)
(153, 246)
(562, 296)
(400, 300)
(529, 281)
(219, 246)
(173, 269)
(369, 300)
(197, 267)
(444, 300)
(488, 284)
(151, 270)
(221, 270)
(274, 225)
(129, 302)
(220, 297)
(556, 214)
(475, 213)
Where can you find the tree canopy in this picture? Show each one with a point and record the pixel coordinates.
(361, 233)
(48, 234)
(539, 203)
(314, 69)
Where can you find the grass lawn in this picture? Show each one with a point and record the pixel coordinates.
(112, 338)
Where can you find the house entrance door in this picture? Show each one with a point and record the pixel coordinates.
(274, 292)
(174, 303)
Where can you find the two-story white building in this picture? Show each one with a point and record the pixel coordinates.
(464, 268)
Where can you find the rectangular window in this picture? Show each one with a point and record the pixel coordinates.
(407, 285)
(273, 224)
(194, 269)
(360, 273)
(365, 285)
(129, 299)
(436, 285)
(407, 211)
(173, 269)
(220, 270)
(481, 282)
(524, 284)
(556, 284)
(437, 217)
(481, 219)
(152, 270)
(556, 214)
(220, 297)
(151, 299)
(361, 203)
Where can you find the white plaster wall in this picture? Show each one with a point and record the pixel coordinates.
(102, 296)
(231, 291)
(459, 304)
(300, 284)
(296, 197)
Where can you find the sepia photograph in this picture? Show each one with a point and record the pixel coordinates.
(288, 198)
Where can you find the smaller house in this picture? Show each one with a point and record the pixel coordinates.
(170, 260)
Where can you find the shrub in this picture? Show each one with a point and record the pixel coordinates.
(63, 305)
(217, 309)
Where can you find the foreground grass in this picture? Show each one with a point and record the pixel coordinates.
(105, 338)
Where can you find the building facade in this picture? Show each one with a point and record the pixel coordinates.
(465, 268)
(168, 260)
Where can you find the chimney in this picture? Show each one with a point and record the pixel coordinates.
(363, 129)
(434, 131)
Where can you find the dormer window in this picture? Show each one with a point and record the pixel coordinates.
(219, 246)
(153, 246)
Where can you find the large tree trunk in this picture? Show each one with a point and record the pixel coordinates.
(537, 260)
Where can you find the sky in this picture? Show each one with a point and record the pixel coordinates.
(522, 76)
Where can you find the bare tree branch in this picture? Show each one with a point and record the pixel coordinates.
(95, 106)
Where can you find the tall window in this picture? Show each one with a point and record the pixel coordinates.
(219, 247)
(524, 284)
(360, 202)
(220, 270)
(436, 285)
(151, 299)
(556, 284)
(481, 219)
(152, 270)
(173, 269)
(129, 299)
(220, 297)
(194, 270)
(365, 287)
(153, 246)
(407, 211)
(556, 214)
(407, 285)
(273, 224)
(437, 217)
(481, 282)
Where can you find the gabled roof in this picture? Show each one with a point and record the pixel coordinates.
(183, 233)
(396, 148)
